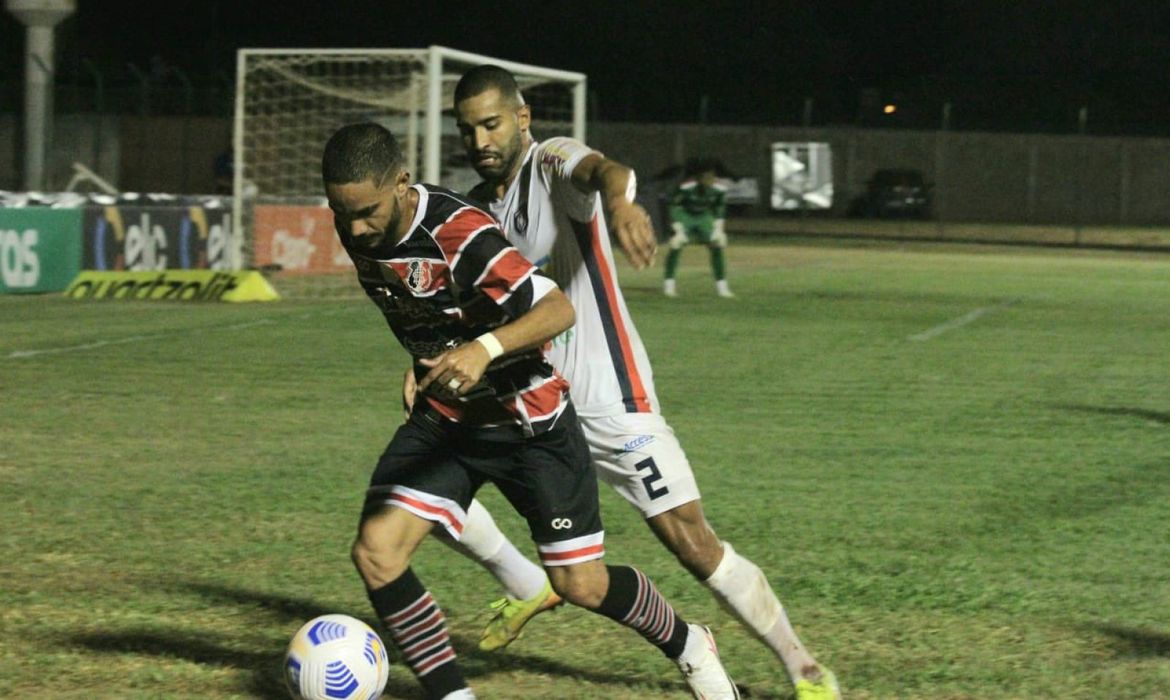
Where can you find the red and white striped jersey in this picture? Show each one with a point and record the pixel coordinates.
(451, 278)
(563, 231)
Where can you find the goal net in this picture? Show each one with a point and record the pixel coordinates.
(290, 101)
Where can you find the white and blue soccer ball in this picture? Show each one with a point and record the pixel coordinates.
(336, 657)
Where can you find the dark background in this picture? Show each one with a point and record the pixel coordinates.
(1003, 66)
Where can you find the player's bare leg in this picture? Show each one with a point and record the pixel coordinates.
(739, 585)
(386, 541)
(626, 596)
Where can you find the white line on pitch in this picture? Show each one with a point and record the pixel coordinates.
(969, 317)
(21, 354)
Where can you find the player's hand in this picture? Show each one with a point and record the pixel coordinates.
(409, 392)
(635, 234)
(458, 370)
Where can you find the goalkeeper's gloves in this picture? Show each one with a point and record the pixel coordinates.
(718, 234)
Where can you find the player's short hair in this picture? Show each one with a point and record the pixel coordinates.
(483, 78)
(360, 152)
(697, 166)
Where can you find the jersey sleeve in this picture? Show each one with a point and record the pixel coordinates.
(556, 158)
(480, 259)
(677, 203)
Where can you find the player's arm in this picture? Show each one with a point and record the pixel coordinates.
(720, 207)
(719, 231)
(617, 185)
(409, 392)
(675, 205)
(550, 316)
(529, 307)
(677, 211)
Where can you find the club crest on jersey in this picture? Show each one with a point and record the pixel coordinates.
(520, 223)
(418, 274)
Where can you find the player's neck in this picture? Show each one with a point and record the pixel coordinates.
(503, 185)
(409, 207)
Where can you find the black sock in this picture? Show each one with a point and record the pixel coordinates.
(633, 601)
(419, 630)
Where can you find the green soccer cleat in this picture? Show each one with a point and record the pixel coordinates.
(511, 615)
(824, 689)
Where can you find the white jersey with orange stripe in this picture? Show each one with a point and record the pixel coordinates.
(563, 231)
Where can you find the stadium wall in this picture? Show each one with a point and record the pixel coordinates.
(978, 177)
(136, 154)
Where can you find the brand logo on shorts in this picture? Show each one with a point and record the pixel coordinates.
(634, 444)
(561, 523)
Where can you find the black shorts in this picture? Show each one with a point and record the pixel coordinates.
(433, 467)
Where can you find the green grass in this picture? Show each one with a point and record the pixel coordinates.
(982, 513)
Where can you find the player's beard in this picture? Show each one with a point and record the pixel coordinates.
(381, 242)
(495, 174)
(369, 243)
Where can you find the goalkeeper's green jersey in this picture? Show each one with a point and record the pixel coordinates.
(692, 201)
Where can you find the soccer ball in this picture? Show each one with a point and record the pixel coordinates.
(336, 657)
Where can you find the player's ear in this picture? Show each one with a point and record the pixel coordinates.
(401, 182)
(524, 117)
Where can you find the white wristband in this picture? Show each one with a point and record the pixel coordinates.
(492, 344)
(631, 188)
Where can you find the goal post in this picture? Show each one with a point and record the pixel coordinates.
(289, 101)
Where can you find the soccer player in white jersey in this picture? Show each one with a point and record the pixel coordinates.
(553, 200)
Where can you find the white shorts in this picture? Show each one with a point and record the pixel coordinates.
(638, 454)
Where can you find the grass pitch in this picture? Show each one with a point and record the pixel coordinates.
(952, 462)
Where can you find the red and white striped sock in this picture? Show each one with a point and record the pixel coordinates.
(419, 630)
(633, 601)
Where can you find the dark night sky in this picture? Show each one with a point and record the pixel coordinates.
(1020, 66)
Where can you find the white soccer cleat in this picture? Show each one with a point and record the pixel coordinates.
(702, 669)
(669, 289)
(723, 290)
(464, 694)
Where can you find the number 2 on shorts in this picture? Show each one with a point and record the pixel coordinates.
(649, 480)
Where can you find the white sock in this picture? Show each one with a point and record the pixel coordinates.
(483, 543)
(669, 288)
(744, 591)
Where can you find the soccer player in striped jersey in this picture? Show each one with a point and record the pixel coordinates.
(553, 200)
(474, 315)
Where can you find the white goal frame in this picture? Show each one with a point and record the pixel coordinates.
(424, 101)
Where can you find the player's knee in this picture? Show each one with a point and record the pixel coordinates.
(580, 585)
(685, 532)
(378, 565)
(677, 241)
(699, 555)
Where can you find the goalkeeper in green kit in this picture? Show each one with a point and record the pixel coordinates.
(697, 213)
